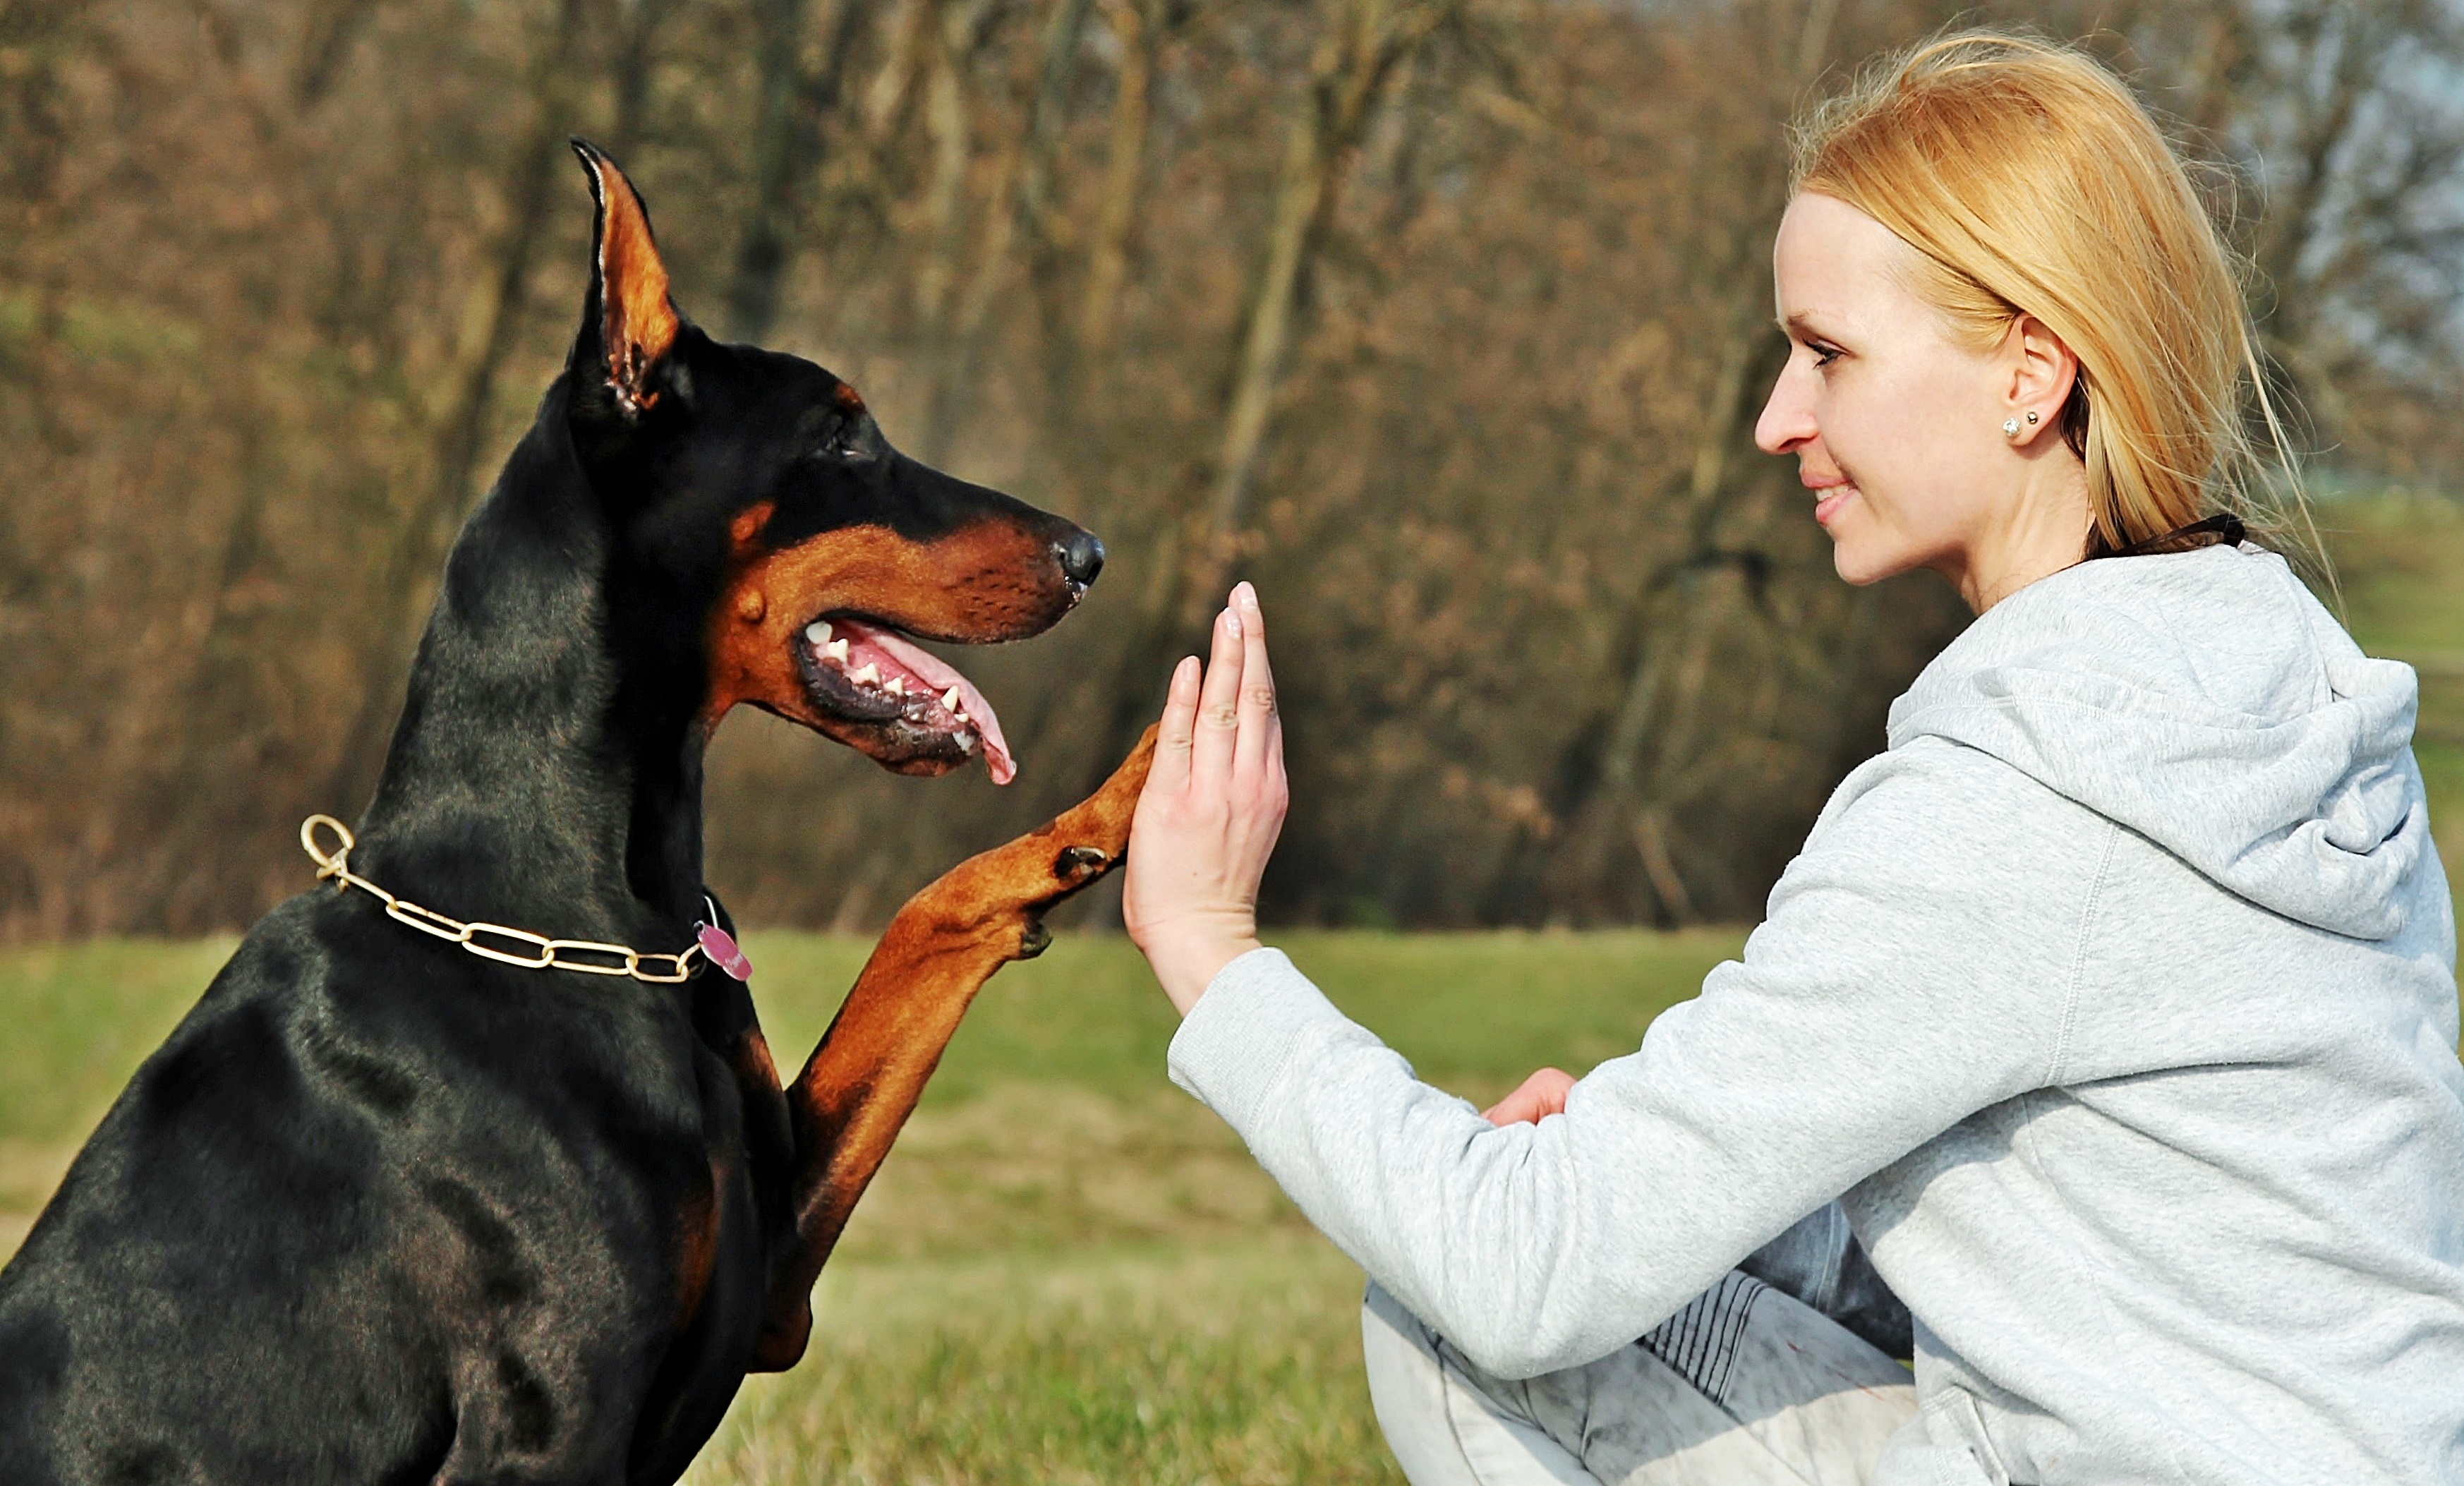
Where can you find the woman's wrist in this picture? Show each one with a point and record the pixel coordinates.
(1187, 963)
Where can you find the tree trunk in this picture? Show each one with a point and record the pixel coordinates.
(2293, 223)
(1348, 78)
(393, 605)
(324, 44)
(632, 75)
(1348, 70)
(1107, 256)
(949, 36)
(787, 146)
(1021, 189)
(1602, 791)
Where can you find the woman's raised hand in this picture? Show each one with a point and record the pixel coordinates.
(1211, 808)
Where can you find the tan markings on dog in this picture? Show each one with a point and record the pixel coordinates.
(756, 1064)
(638, 322)
(698, 1246)
(748, 525)
(846, 398)
(861, 1083)
(976, 585)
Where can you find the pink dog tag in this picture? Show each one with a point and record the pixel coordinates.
(717, 944)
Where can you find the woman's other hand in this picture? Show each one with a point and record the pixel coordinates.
(1211, 808)
(1540, 1096)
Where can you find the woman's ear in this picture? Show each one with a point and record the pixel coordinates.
(628, 324)
(2042, 371)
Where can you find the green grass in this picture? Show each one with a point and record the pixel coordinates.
(1466, 1009)
(80, 1017)
(1068, 1270)
(74, 1021)
(2402, 564)
(1205, 1363)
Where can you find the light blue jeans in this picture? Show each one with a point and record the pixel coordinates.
(1749, 1383)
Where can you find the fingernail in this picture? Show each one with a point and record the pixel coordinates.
(1247, 595)
(1232, 623)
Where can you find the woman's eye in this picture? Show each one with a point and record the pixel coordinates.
(1823, 354)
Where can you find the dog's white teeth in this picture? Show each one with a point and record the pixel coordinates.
(817, 632)
(950, 699)
(865, 676)
(836, 650)
(895, 686)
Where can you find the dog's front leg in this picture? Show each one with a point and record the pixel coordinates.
(855, 1093)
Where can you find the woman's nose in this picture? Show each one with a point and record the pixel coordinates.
(1787, 419)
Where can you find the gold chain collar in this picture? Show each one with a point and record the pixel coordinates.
(544, 953)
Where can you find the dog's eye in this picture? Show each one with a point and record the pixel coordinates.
(848, 444)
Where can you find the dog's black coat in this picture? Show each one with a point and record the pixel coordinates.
(380, 1210)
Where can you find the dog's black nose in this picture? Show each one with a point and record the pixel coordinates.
(1081, 557)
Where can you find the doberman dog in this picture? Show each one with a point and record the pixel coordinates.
(388, 1206)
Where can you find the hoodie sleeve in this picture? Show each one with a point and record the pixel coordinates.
(1916, 966)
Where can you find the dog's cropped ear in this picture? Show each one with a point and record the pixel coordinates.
(628, 321)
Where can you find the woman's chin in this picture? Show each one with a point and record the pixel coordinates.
(1863, 562)
(1849, 560)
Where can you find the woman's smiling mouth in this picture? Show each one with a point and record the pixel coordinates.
(1832, 491)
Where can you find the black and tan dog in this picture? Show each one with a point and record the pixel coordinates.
(383, 1210)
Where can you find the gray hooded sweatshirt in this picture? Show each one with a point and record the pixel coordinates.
(2116, 1001)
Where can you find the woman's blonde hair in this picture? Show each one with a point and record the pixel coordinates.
(2030, 179)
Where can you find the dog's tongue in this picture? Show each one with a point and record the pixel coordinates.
(941, 675)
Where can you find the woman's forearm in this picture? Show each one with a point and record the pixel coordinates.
(1852, 1032)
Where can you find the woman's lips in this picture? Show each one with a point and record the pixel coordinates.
(1832, 500)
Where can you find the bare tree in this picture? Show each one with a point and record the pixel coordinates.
(461, 435)
(1444, 319)
(792, 111)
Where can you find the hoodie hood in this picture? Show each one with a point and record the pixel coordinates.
(2206, 701)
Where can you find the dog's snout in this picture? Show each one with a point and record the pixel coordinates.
(1080, 555)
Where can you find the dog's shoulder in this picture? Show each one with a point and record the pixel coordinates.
(338, 1061)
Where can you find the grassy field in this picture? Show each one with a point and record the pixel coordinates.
(1068, 1271)
(2403, 567)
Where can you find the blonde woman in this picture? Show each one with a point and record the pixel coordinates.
(2111, 1010)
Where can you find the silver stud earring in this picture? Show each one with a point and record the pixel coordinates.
(2032, 418)
(2011, 428)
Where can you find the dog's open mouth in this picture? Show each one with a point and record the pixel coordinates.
(863, 671)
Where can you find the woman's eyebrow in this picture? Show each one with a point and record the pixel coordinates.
(1800, 326)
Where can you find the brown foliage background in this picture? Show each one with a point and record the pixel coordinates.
(1444, 321)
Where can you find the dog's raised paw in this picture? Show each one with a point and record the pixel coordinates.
(1077, 863)
(1035, 940)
